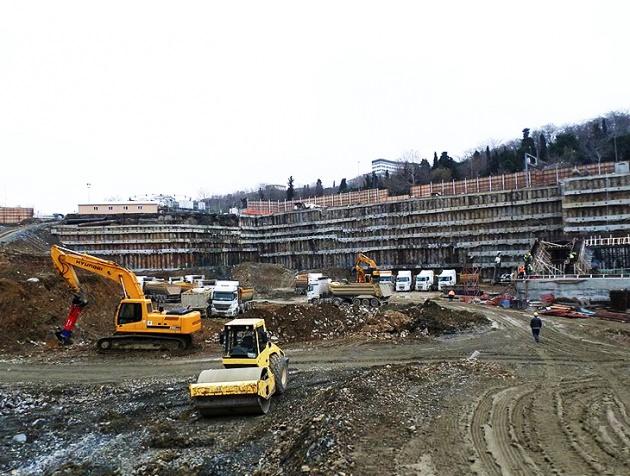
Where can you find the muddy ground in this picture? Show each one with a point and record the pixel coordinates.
(415, 388)
(354, 407)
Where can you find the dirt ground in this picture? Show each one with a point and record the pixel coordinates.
(415, 388)
(353, 407)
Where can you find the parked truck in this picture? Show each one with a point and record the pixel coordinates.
(198, 299)
(301, 283)
(386, 277)
(365, 294)
(230, 299)
(403, 281)
(447, 277)
(425, 280)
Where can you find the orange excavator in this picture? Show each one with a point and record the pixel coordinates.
(368, 274)
(137, 324)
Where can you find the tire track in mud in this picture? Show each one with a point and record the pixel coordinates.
(496, 428)
(533, 429)
(592, 419)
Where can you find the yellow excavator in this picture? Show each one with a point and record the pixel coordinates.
(255, 369)
(138, 325)
(371, 274)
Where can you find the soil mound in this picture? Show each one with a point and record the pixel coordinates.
(263, 277)
(296, 323)
(436, 320)
(31, 309)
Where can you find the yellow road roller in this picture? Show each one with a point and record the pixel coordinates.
(255, 369)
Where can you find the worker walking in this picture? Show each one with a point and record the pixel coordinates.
(451, 295)
(536, 325)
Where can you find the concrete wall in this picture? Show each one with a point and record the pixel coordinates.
(432, 232)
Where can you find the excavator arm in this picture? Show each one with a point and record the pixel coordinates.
(66, 261)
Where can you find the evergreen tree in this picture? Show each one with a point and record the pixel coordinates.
(527, 144)
(290, 189)
(343, 186)
(424, 172)
(475, 164)
(376, 183)
(387, 174)
(367, 181)
(261, 194)
(319, 188)
(542, 147)
(604, 127)
(435, 161)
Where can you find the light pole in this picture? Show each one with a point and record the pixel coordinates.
(88, 185)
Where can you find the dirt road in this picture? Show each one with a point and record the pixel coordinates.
(354, 407)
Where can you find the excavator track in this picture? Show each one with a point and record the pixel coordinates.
(125, 342)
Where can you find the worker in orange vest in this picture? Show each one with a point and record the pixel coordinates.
(521, 271)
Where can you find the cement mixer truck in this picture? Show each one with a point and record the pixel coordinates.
(230, 299)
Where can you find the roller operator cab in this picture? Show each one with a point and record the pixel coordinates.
(403, 281)
(255, 369)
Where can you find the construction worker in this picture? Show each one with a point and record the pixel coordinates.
(528, 262)
(497, 266)
(536, 325)
(451, 295)
(521, 271)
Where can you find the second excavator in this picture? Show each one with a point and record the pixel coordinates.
(369, 274)
(137, 325)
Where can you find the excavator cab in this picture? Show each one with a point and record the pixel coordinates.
(128, 312)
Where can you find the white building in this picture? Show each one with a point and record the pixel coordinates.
(381, 166)
(117, 208)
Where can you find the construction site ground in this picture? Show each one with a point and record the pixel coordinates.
(416, 388)
(355, 406)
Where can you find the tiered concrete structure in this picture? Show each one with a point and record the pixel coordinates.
(436, 231)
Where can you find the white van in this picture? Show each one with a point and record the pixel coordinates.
(424, 280)
(448, 277)
(403, 281)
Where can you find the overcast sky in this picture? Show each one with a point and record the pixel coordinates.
(191, 97)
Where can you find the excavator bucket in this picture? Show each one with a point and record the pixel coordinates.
(238, 391)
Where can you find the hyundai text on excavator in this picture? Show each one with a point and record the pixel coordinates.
(137, 324)
(255, 369)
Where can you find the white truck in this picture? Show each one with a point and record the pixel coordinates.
(386, 277)
(447, 277)
(425, 280)
(194, 278)
(403, 281)
(230, 299)
(318, 288)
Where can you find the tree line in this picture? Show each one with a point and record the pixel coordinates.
(604, 139)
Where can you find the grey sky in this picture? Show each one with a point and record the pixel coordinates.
(184, 97)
